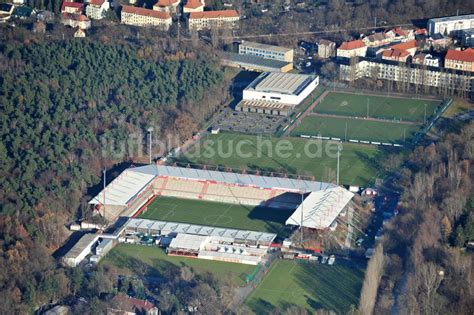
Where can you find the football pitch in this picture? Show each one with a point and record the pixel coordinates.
(383, 107)
(359, 164)
(308, 285)
(218, 214)
(130, 259)
(357, 129)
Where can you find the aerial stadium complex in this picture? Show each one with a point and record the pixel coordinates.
(310, 204)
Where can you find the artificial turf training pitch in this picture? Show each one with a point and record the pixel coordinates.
(385, 107)
(218, 214)
(357, 129)
(309, 285)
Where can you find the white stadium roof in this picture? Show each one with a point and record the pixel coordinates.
(321, 208)
(234, 178)
(167, 227)
(124, 188)
(133, 180)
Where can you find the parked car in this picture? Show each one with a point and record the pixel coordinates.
(331, 260)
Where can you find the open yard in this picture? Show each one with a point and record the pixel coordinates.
(357, 129)
(308, 285)
(385, 107)
(218, 214)
(133, 259)
(359, 163)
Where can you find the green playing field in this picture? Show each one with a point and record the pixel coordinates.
(127, 257)
(309, 285)
(359, 163)
(386, 107)
(210, 213)
(357, 129)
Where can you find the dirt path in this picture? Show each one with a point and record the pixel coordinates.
(365, 118)
(305, 113)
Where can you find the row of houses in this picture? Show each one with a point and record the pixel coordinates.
(161, 16)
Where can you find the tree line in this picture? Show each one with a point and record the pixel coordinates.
(424, 267)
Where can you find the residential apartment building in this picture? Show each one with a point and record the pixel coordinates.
(96, 9)
(460, 59)
(426, 59)
(144, 17)
(266, 51)
(377, 39)
(400, 52)
(213, 19)
(326, 48)
(450, 24)
(194, 6)
(168, 6)
(444, 79)
(399, 34)
(75, 20)
(71, 7)
(355, 48)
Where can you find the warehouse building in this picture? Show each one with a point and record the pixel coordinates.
(254, 63)
(450, 24)
(266, 51)
(80, 250)
(277, 93)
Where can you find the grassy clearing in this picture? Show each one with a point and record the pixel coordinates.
(347, 104)
(312, 286)
(358, 129)
(218, 214)
(359, 163)
(127, 258)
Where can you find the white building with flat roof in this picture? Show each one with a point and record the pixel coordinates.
(80, 250)
(450, 24)
(285, 88)
(266, 51)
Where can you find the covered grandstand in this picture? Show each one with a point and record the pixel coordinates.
(135, 186)
(203, 242)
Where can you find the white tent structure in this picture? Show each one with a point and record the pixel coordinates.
(320, 208)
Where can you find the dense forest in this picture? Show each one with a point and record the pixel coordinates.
(58, 101)
(421, 266)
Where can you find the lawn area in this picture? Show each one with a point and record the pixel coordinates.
(127, 256)
(347, 104)
(218, 214)
(358, 129)
(359, 163)
(308, 285)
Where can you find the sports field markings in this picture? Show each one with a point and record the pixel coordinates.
(221, 215)
(170, 212)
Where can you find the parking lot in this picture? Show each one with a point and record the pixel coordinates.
(248, 123)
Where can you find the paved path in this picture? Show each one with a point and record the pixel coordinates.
(365, 118)
(305, 113)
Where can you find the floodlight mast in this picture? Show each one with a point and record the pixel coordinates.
(105, 172)
(339, 149)
(150, 130)
(301, 223)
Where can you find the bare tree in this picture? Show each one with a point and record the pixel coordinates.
(371, 283)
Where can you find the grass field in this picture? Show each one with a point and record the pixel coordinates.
(359, 163)
(218, 214)
(312, 286)
(346, 104)
(127, 257)
(358, 129)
